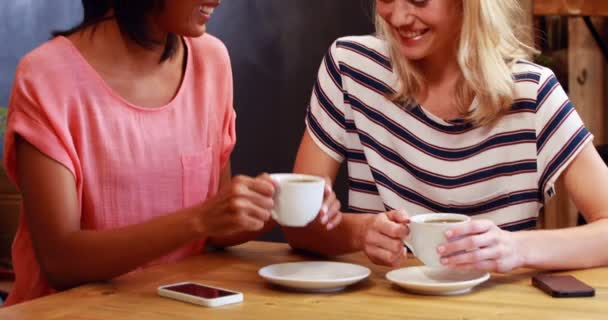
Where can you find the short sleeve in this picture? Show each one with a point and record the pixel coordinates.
(325, 119)
(228, 134)
(228, 137)
(560, 133)
(29, 118)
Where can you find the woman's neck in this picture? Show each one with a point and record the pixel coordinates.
(440, 70)
(115, 46)
(442, 77)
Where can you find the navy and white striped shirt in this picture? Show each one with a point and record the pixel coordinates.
(407, 158)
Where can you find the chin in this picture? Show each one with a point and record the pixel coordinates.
(412, 56)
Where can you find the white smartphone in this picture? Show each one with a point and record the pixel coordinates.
(200, 294)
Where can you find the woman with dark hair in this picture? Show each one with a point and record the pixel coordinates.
(119, 137)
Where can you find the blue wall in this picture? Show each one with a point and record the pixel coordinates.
(24, 25)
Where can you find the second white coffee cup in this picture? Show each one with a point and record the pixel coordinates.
(427, 231)
(298, 199)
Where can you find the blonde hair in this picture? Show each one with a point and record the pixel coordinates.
(492, 39)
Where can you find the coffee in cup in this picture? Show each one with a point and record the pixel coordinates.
(298, 198)
(427, 232)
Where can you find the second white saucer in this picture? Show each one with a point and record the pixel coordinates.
(432, 281)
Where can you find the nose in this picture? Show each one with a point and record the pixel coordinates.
(404, 13)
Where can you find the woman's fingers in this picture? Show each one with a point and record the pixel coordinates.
(398, 216)
(326, 213)
(245, 207)
(468, 243)
(262, 184)
(382, 256)
(388, 227)
(258, 191)
(380, 240)
(334, 215)
(469, 228)
(472, 257)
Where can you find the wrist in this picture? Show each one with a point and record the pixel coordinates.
(522, 249)
(195, 221)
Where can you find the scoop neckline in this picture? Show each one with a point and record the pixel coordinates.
(451, 122)
(81, 60)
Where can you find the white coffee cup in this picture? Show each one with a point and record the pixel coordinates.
(427, 232)
(298, 198)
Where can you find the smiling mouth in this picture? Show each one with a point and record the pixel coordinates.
(206, 10)
(412, 35)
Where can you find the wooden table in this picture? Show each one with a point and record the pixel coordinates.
(133, 296)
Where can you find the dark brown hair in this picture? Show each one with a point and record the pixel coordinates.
(132, 18)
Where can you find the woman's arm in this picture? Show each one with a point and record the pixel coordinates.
(345, 237)
(70, 256)
(489, 248)
(586, 180)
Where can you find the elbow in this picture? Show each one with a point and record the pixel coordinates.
(60, 284)
(58, 274)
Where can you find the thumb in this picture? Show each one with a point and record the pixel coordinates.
(268, 178)
(398, 216)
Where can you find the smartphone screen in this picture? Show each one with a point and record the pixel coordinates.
(200, 290)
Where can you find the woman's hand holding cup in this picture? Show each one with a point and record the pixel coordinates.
(244, 205)
(481, 245)
(383, 240)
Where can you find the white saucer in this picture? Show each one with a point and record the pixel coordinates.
(314, 276)
(430, 281)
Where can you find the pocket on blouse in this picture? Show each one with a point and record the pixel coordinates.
(196, 176)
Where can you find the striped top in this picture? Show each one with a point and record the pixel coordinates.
(403, 157)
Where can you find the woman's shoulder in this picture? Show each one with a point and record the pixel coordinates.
(370, 41)
(532, 81)
(209, 48)
(366, 45)
(49, 60)
(526, 70)
(364, 53)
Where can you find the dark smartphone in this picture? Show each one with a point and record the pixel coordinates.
(562, 286)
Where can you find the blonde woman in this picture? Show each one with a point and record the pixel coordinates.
(442, 111)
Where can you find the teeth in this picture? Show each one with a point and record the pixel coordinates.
(206, 10)
(411, 34)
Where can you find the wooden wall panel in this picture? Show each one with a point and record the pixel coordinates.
(571, 7)
(586, 81)
(586, 75)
